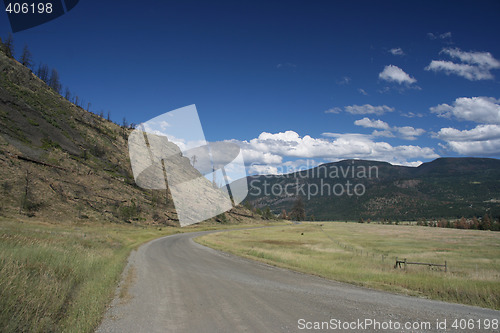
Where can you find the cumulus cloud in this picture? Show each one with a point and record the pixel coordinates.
(368, 109)
(396, 51)
(481, 140)
(408, 132)
(367, 122)
(261, 157)
(484, 139)
(412, 115)
(477, 109)
(269, 149)
(334, 110)
(472, 73)
(393, 73)
(488, 147)
(483, 59)
(473, 66)
(362, 109)
(479, 133)
(405, 132)
(384, 133)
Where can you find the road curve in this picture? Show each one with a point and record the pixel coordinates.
(181, 286)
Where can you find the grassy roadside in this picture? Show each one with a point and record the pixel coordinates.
(60, 277)
(363, 254)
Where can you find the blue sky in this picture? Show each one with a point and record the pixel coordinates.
(290, 81)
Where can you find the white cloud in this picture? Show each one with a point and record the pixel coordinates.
(397, 51)
(405, 132)
(393, 73)
(334, 110)
(484, 139)
(472, 73)
(408, 132)
(269, 149)
(479, 133)
(259, 169)
(481, 140)
(362, 92)
(483, 59)
(413, 164)
(439, 36)
(488, 147)
(368, 109)
(478, 109)
(255, 156)
(474, 66)
(344, 81)
(412, 115)
(367, 122)
(385, 133)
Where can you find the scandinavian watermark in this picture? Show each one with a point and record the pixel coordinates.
(347, 179)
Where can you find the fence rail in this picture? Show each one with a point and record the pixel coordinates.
(405, 262)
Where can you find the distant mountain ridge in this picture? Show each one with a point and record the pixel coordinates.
(445, 187)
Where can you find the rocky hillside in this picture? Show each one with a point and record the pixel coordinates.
(60, 162)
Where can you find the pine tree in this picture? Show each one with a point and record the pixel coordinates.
(298, 212)
(475, 223)
(485, 223)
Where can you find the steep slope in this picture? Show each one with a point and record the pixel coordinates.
(445, 187)
(61, 162)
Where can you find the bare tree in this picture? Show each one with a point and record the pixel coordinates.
(54, 82)
(125, 123)
(67, 93)
(43, 72)
(26, 57)
(9, 46)
(109, 116)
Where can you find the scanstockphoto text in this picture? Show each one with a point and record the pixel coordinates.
(332, 180)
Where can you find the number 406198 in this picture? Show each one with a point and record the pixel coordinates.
(26, 8)
(478, 324)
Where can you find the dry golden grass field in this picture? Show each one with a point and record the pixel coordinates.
(365, 254)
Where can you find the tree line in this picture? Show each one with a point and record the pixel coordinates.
(297, 213)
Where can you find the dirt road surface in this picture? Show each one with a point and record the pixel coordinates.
(177, 285)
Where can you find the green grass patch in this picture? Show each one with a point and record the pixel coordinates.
(364, 254)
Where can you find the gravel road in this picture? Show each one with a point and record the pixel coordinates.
(180, 286)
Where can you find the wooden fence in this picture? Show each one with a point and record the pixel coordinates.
(404, 262)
